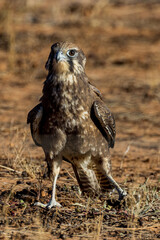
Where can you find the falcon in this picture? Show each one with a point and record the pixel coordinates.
(72, 123)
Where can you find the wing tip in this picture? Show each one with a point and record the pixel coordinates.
(28, 118)
(33, 112)
(112, 143)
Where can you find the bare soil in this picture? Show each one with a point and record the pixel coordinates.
(121, 40)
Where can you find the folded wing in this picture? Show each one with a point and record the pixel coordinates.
(104, 121)
(34, 118)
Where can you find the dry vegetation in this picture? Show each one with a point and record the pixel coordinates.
(121, 40)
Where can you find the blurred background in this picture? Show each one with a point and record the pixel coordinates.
(121, 40)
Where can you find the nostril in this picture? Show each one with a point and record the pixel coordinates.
(59, 56)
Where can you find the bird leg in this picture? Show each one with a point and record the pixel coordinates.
(105, 168)
(122, 193)
(54, 168)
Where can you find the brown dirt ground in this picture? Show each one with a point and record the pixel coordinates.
(121, 40)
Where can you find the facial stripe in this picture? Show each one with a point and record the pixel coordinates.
(71, 66)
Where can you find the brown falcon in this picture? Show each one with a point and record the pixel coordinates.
(72, 123)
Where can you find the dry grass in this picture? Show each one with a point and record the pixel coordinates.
(137, 217)
(84, 218)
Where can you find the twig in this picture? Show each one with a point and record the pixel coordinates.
(132, 229)
(74, 179)
(10, 169)
(124, 155)
(78, 204)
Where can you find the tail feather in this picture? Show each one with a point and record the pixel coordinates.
(92, 181)
(87, 180)
(104, 182)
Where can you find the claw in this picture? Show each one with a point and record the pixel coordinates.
(122, 195)
(48, 205)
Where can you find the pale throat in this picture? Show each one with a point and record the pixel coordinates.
(64, 74)
(61, 67)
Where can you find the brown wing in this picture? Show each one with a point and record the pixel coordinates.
(104, 121)
(34, 118)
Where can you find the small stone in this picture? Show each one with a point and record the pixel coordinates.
(43, 193)
(19, 182)
(24, 174)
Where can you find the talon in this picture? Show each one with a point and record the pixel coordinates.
(48, 205)
(54, 204)
(122, 195)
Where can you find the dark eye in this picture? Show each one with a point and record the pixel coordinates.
(71, 53)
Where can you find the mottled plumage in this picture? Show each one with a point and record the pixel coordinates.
(72, 123)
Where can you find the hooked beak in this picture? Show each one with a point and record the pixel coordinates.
(60, 57)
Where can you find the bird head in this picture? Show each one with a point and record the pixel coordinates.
(65, 57)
